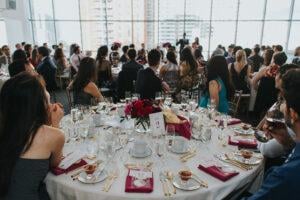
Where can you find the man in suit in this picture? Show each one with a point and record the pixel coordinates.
(148, 83)
(283, 182)
(47, 68)
(128, 74)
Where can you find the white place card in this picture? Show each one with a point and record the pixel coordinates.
(157, 123)
(139, 174)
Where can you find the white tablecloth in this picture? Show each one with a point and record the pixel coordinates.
(64, 188)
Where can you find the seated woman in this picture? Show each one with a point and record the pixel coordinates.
(219, 87)
(60, 61)
(83, 86)
(30, 141)
(240, 72)
(170, 71)
(103, 67)
(188, 71)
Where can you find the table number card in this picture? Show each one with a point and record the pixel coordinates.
(157, 123)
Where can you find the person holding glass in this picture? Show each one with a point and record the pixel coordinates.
(219, 87)
(30, 141)
(283, 182)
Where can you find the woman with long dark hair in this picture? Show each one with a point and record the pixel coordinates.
(170, 71)
(103, 67)
(219, 87)
(188, 70)
(60, 61)
(28, 144)
(84, 86)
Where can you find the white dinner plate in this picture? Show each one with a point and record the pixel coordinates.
(147, 153)
(190, 185)
(101, 177)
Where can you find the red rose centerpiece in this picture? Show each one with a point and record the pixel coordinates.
(140, 110)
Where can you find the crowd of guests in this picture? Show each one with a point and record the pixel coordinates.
(35, 143)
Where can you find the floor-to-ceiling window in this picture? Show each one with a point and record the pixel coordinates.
(92, 23)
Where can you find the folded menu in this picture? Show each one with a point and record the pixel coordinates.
(139, 181)
(218, 172)
(243, 143)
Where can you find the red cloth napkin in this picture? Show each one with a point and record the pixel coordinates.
(234, 121)
(218, 172)
(184, 129)
(243, 143)
(231, 121)
(58, 171)
(130, 187)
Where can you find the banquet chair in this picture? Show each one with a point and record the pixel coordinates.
(235, 103)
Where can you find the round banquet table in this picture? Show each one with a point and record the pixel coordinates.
(62, 187)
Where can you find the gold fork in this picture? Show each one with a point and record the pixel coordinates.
(110, 180)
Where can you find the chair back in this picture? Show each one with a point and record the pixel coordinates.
(235, 103)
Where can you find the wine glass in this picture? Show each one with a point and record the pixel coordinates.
(135, 96)
(127, 96)
(170, 134)
(158, 97)
(168, 100)
(275, 117)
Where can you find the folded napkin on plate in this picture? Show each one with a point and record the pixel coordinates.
(135, 177)
(58, 171)
(243, 143)
(234, 121)
(217, 172)
(182, 125)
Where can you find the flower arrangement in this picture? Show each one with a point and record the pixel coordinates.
(140, 110)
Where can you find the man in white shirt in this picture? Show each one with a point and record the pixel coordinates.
(75, 59)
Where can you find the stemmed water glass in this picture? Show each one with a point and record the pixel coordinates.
(169, 135)
(158, 98)
(127, 96)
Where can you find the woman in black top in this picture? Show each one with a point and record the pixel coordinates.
(240, 72)
(30, 141)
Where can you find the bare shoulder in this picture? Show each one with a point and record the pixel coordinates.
(91, 85)
(53, 134)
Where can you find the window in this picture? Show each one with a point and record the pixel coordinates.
(41, 10)
(224, 10)
(296, 13)
(3, 38)
(94, 35)
(44, 32)
(68, 32)
(66, 9)
(278, 9)
(272, 35)
(252, 9)
(294, 40)
(222, 33)
(248, 33)
(92, 23)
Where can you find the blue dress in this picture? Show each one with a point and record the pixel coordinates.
(223, 102)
